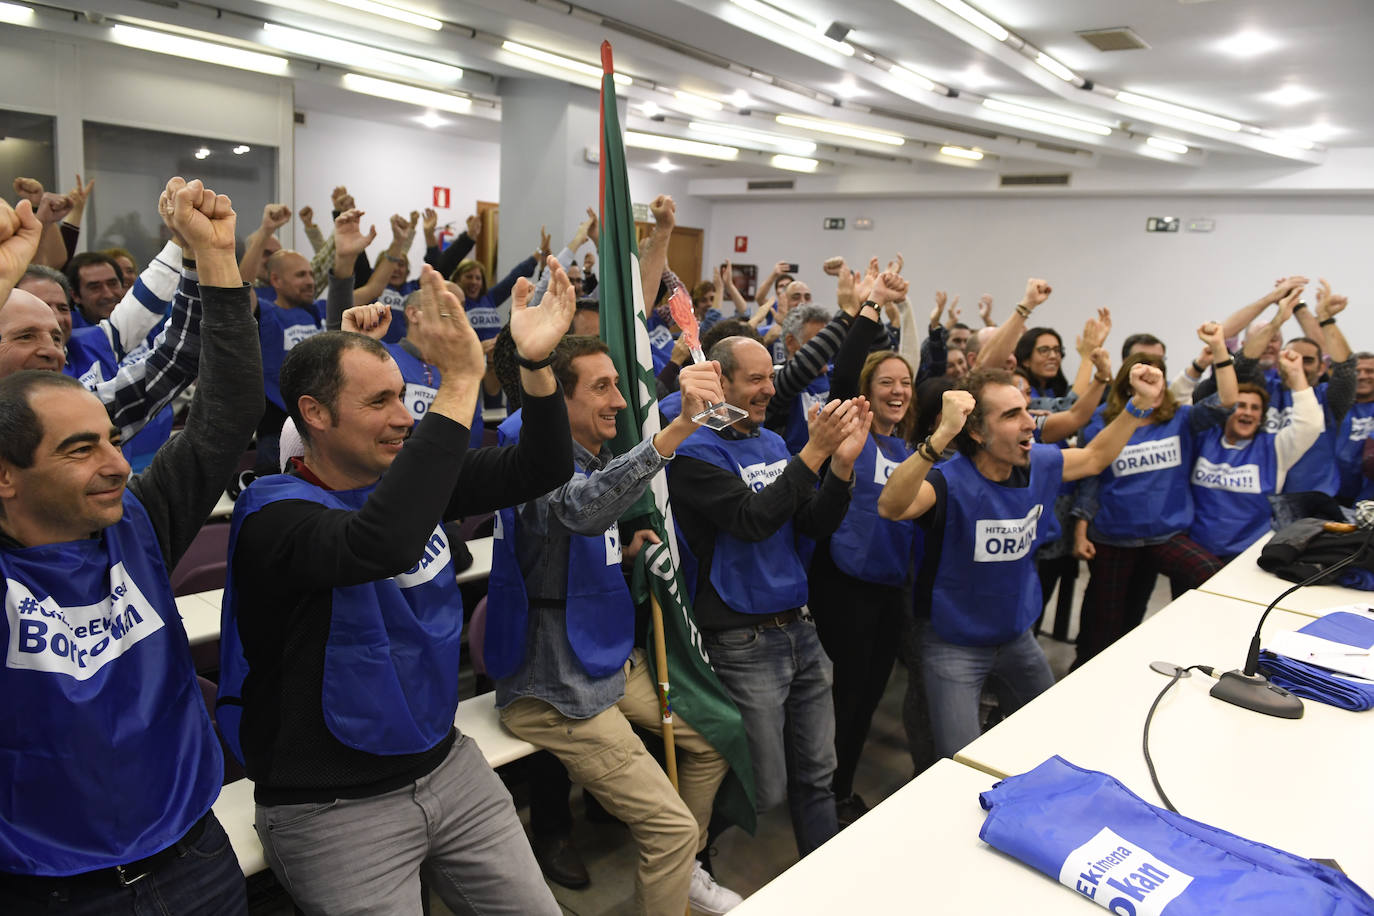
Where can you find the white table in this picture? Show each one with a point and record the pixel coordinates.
(224, 508)
(1242, 578)
(200, 613)
(917, 852)
(1301, 785)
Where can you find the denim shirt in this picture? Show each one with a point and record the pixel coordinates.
(582, 506)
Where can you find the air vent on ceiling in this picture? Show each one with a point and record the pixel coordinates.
(774, 184)
(1120, 38)
(1021, 181)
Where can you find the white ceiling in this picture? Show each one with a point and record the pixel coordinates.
(1318, 52)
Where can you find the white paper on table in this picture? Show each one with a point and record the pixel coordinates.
(1314, 650)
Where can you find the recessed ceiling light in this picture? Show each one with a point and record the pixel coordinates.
(649, 110)
(241, 149)
(793, 163)
(1248, 44)
(664, 166)
(849, 89)
(203, 153)
(1320, 132)
(958, 152)
(432, 120)
(1290, 95)
(1169, 146)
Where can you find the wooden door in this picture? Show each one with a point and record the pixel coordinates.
(684, 251)
(489, 212)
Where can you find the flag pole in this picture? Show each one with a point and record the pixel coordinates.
(665, 703)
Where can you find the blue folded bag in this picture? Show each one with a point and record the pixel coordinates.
(1092, 834)
(1314, 682)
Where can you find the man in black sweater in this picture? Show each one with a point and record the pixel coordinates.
(111, 763)
(343, 596)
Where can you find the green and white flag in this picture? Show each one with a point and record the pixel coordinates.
(695, 691)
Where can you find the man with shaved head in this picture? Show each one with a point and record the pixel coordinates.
(741, 500)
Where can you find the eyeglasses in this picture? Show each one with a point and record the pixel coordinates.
(1049, 351)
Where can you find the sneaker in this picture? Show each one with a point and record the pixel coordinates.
(706, 896)
(850, 809)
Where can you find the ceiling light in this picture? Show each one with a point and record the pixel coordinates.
(1247, 44)
(565, 63)
(1169, 146)
(241, 149)
(793, 163)
(331, 50)
(800, 26)
(848, 89)
(16, 13)
(664, 166)
(203, 153)
(1049, 117)
(1322, 131)
(841, 129)
(195, 49)
(795, 145)
(907, 76)
(649, 110)
(676, 145)
(740, 99)
(692, 100)
(1049, 63)
(400, 92)
(969, 14)
(432, 120)
(1290, 95)
(958, 152)
(392, 12)
(1178, 111)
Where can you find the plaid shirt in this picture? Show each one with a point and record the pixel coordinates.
(140, 389)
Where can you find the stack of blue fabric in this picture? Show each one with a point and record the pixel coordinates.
(1315, 682)
(1089, 832)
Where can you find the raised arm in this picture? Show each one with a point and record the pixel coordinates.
(1003, 343)
(312, 231)
(400, 231)
(1095, 331)
(1329, 305)
(727, 277)
(1258, 339)
(763, 296)
(653, 257)
(1062, 424)
(1223, 367)
(274, 216)
(1148, 385)
(1241, 318)
(1293, 441)
(146, 302)
(907, 493)
(19, 235)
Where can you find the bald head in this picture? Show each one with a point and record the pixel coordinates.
(290, 275)
(30, 337)
(746, 369)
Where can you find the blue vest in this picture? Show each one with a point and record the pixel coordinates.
(1355, 428)
(483, 316)
(422, 384)
(671, 406)
(986, 590)
(1316, 469)
(394, 298)
(798, 432)
(752, 577)
(1229, 487)
(279, 330)
(867, 546)
(600, 615)
(391, 659)
(661, 342)
(1145, 491)
(91, 360)
(109, 755)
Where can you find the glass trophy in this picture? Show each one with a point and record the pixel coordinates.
(715, 416)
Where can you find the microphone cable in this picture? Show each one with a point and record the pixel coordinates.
(1178, 674)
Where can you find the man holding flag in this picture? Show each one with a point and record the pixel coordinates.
(560, 637)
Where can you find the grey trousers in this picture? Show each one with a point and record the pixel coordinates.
(457, 825)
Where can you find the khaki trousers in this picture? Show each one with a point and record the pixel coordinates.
(610, 761)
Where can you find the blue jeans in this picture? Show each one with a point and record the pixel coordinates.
(955, 675)
(780, 678)
(205, 881)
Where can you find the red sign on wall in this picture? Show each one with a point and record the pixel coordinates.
(741, 243)
(440, 197)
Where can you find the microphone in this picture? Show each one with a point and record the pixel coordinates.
(1251, 690)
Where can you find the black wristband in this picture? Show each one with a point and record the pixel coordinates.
(1222, 365)
(1300, 305)
(1325, 322)
(1199, 369)
(875, 306)
(531, 364)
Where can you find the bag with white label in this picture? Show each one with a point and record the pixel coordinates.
(1096, 837)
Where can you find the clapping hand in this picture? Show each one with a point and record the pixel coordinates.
(450, 342)
(536, 331)
(1329, 305)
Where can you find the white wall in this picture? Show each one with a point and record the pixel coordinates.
(1095, 252)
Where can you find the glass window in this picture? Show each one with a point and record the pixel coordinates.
(26, 151)
(131, 167)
